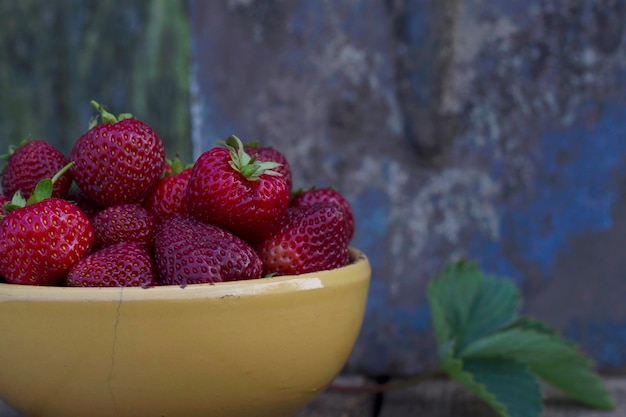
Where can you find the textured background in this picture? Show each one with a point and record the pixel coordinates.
(489, 129)
(57, 56)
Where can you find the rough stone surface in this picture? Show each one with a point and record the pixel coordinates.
(487, 129)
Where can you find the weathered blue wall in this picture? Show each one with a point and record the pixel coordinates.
(488, 129)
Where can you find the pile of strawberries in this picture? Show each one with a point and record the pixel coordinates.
(116, 213)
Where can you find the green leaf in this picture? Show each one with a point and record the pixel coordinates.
(504, 384)
(553, 359)
(482, 344)
(17, 202)
(562, 365)
(538, 326)
(526, 345)
(43, 190)
(470, 304)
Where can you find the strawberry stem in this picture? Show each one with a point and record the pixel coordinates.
(42, 191)
(62, 171)
(247, 165)
(107, 118)
(176, 165)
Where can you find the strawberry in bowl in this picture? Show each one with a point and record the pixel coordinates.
(224, 299)
(43, 237)
(117, 161)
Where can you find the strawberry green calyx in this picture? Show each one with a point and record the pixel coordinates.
(42, 191)
(17, 201)
(176, 166)
(247, 165)
(107, 118)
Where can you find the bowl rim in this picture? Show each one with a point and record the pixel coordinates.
(357, 270)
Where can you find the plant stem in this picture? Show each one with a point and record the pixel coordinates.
(388, 386)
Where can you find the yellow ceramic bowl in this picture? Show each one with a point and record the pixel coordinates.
(250, 348)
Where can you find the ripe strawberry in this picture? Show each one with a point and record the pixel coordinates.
(167, 196)
(329, 195)
(82, 202)
(232, 190)
(269, 154)
(188, 251)
(308, 239)
(31, 162)
(125, 264)
(124, 223)
(117, 162)
(39, 243)
(42, 238)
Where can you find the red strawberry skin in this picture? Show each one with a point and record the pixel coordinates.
(167, 198)
(328, 195)
(188, 251)
(269, 154)
(117, 163)
(126, 264)
(219, 195)
(29, 164)
(81, 201)
(40, 243)
(309, 239)
(124, 223)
